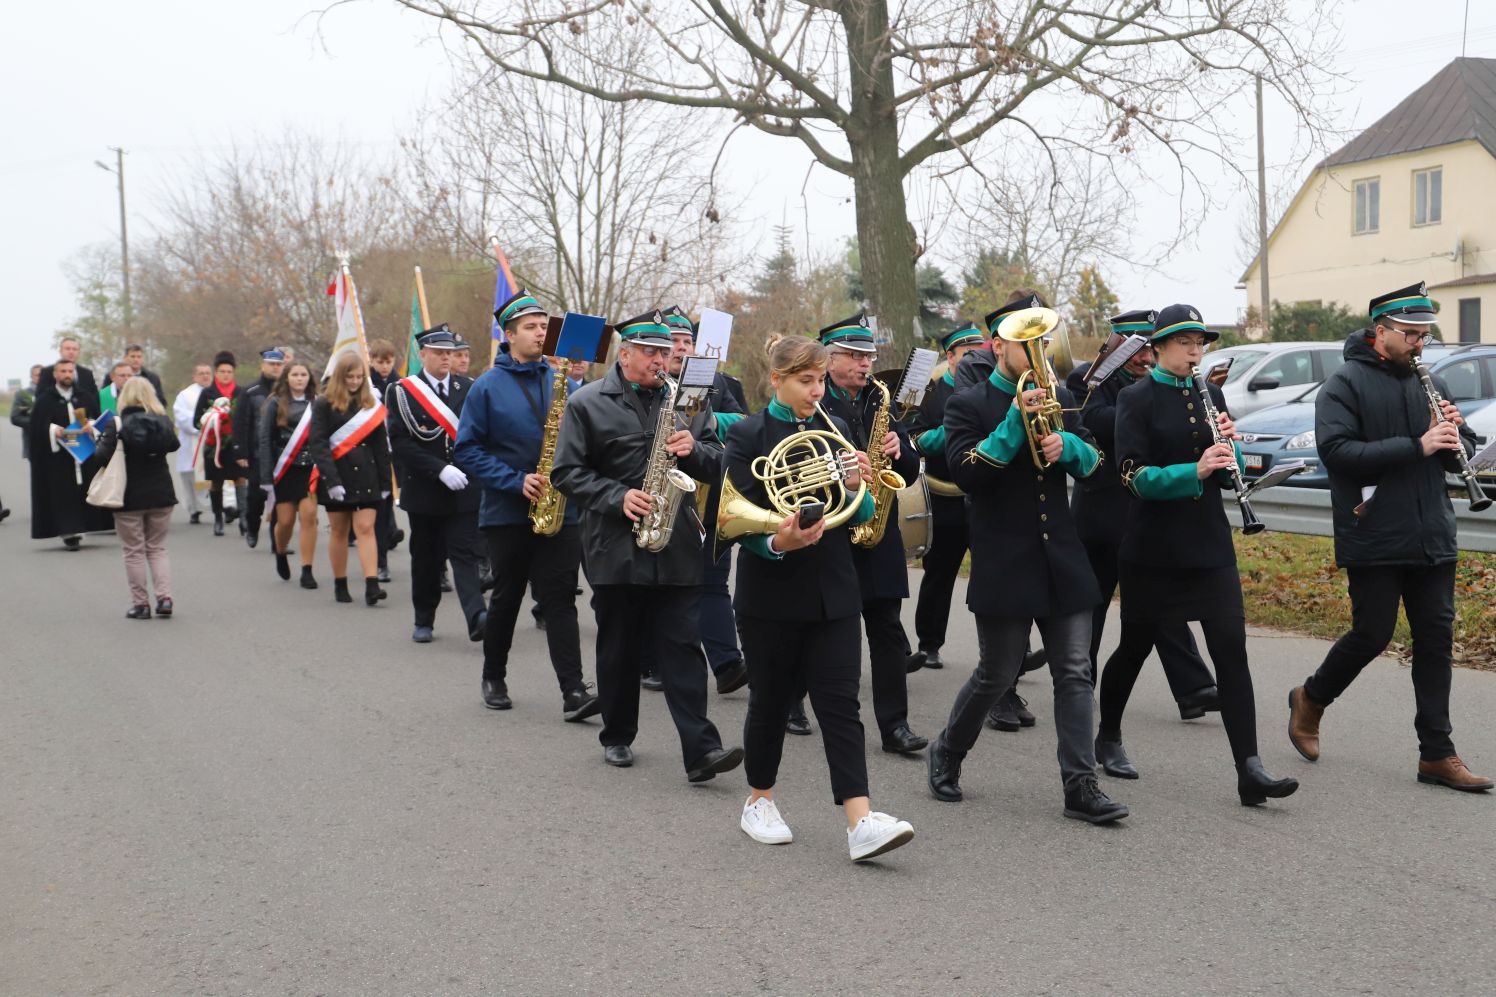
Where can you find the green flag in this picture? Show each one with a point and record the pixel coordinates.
(412, 364)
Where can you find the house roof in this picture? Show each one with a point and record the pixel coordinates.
(1456, 105)
(1471, 281)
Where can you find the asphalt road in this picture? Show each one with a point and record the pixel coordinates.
(272, 793)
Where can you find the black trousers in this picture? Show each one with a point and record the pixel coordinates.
(719, 633)
(254, 503)
(626, 614)
(435, 540)
(942, 563)
(520, 558)
(888, 648)
(1427, 595)
(384, 528)
(784, 661)
(1225, 639)
(1184, 669)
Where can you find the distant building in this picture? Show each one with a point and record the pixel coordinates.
(1409, 199)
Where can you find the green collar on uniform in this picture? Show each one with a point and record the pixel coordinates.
(949, 377)
(779, 410)
(1002, 383)
(842, 393)
(1164, 377)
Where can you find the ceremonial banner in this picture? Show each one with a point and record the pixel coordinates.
(504, 288)
(418, 324)
(350, 320)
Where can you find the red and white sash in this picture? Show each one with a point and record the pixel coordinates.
(356, 430)
(293, 446)
(428, 399)
(210, 427)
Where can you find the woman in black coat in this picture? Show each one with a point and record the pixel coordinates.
(290, 492)
(223, 457)
(148, 435)
(1177, 560)
(352, 454)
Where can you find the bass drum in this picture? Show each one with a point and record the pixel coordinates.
(916, 526)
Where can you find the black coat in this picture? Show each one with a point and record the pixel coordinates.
(422, 448)
(975, 367)
(807, 585)
(155, 380)
(931, 415)
(247, 425)
(1368, 418)
(603, 451)
(57, 506)
(226, 466)
(1101, 502)
(271, 439)
(364, 472)
(1027, 561)
(82, 378)
(882, 571)
(148, 439)
(1159, 425)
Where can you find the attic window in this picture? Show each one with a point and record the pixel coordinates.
(1428, 196)
(1368, 205)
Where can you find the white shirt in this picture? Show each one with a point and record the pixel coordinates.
(182, 410)
(444, 386)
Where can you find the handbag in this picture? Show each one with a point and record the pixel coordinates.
(107, 490)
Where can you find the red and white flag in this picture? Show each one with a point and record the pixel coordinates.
(350, 320)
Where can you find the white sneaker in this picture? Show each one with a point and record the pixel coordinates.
(877, 833)
(762, 823)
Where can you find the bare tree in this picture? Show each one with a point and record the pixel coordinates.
(875, 90)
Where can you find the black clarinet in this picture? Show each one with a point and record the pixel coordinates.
(1250, 524)
(1478, 499)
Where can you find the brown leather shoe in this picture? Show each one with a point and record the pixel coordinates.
(1452, 772)
(1303, 723)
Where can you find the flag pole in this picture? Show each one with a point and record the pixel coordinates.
(498, 260)
(358, 315)
(421, 297)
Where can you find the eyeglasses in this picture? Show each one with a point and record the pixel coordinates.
(1190, 343)
(1414, 337)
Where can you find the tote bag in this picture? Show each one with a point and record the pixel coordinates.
(107, 490)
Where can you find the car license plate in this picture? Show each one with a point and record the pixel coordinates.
(1253, 461)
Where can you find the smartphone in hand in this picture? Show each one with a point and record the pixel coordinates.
(810, 514)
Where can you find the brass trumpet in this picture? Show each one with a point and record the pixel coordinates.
(1029, 326)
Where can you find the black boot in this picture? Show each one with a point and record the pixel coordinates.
(307, 581)
(218, 524)
(1255, 784)
(798, 722)
(944, 772)
(1087, 801)
(1113, 760)
(340, 590)
(283, 565)
(372, 592)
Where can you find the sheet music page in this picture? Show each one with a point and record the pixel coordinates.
(713, 333)
(1485, 458)
(916, 377)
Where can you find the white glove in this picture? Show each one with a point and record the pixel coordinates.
(453, 478)
(336, 493)
(269, 493)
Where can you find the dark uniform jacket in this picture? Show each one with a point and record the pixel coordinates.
(273, 439)
(247, 427)
(1100, 502)
(931, 416)
(1161, 432)
(606, 439)
(975, 367)
(881, 570)
(814, 583)
(1368, 419)
(148, 439)
(1027, 561)
(364, 472)
(422, 448)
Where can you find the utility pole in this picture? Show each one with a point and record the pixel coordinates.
(118, 169)
(1267, 298)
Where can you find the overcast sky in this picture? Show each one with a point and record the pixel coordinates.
(170, 80)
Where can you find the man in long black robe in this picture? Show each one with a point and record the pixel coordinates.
(58, 482)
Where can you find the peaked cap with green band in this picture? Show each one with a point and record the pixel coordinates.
(1409, 304)
(966, 334)
(1180, 318)
(1141, 322)
(850, 333)
(523, 303)
(678, 321)
(994, 319)
(648, 329)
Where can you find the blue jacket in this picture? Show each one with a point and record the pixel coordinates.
(499, 435)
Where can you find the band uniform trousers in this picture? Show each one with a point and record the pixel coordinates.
(719, 634)
(1001, 645)
(254, 502)
(523, 559)
(941, 563)
(384, 529)
(1184, 669)
(785, 659)
(888, 651)
(1427, 595)
(435, 540)
(626, 616)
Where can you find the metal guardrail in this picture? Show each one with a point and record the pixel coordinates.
(1307, 510)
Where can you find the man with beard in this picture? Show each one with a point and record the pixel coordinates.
(58, 482)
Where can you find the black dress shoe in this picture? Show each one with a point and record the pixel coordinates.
(446, 582)
(1086, 801)
(732, 678)
(72, 543)
(164, 608)
(138, 613)
(195, 518)
(229, 515)
(1008, 713)
(1197, 704)
(383, 574)
(307, 581)
(903, 741)
(798, 723)
(486, 579)
(252, 539)
(217, 524)
(652, 682)
(340, 590)
(717, 761)
(932, 659)
(480, 624)
(496, 696)
(618, 755)
(1113, 760)
(396, 536)
(1033, 660)
(944, 768)
(914, 662)
(1255, 784)
(579, 704)
(372, 592)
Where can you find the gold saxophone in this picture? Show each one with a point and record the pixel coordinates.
(548, 510)
(885, 480)
(666, 484)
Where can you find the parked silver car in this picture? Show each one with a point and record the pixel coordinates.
(1264, 374)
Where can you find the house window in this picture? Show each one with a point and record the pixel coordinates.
(1368, 205)
(1428, 196)
(1469, 320)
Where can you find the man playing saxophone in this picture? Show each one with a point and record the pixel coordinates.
(499, 444)
(644, 595)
